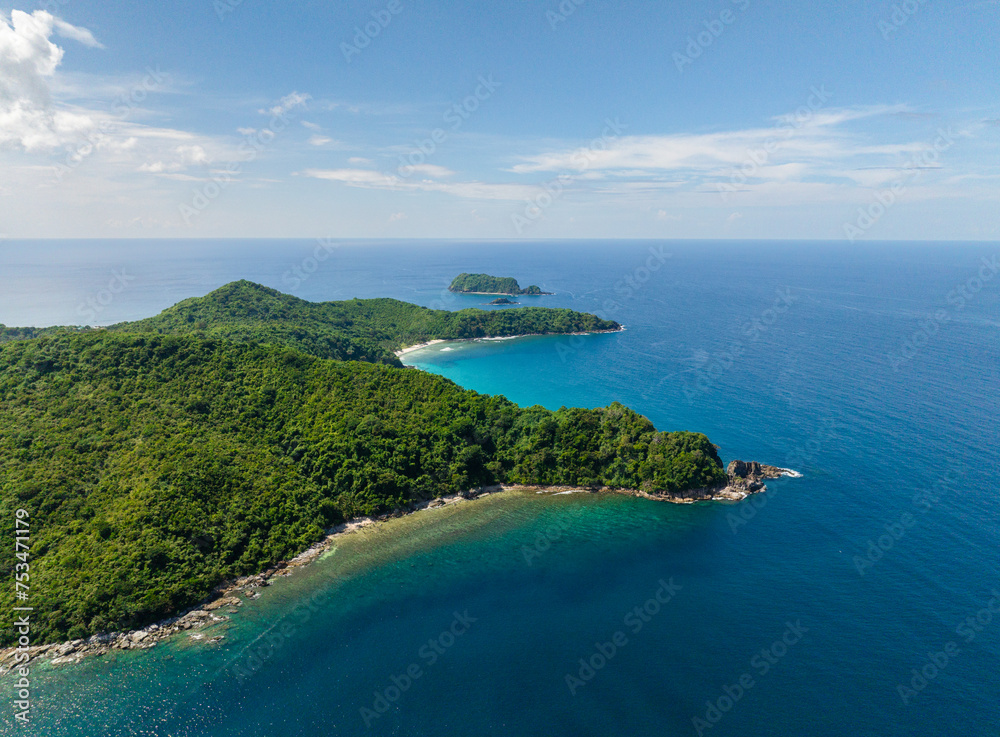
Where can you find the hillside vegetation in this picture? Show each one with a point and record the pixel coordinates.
(154, 466)
(352, 330)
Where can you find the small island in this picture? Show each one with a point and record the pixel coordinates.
(486, 284)
(501, 301)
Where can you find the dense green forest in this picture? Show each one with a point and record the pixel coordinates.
(487, 284)
(154, 466)
(351, 330)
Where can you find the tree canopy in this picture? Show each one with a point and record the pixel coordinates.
(486, 284)
(156, 465)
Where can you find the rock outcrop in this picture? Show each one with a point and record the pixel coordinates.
(744, 478)
(750, 475)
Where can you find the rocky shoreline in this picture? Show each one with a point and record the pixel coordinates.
(744, 478)
(225, 600)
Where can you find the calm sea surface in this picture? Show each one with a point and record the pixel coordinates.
(826, 607)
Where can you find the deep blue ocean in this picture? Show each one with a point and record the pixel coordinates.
(861, 599)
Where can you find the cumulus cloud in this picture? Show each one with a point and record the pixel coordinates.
(37, 117)
(28, 59)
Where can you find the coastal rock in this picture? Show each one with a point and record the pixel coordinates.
(743, 478)
(221, 602)
(747, 477)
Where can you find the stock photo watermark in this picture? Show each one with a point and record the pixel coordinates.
(971, 626)
(759, 157)
(269, 643)
(223, 8)
(296, 276)
(455, 117)
(805, 452)
(923, 501)
(562, 13)
(762, 663)
(710, 368)
(553, 189)
(364, 35)
(714, 28)
(626, 287)
(428, 654)
(798, 458)
(96, 303)
(900, 16)
(122, 108)
(544, 539)
(249, 149)
(634, 620)
(22, 615)
(957, 299)
(884, 198)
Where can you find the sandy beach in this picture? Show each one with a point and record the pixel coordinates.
(418, 346)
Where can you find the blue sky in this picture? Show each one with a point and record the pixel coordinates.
(720, 119)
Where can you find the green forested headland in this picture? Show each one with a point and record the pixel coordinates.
(154, 466)
(350, 330)
(486, 284)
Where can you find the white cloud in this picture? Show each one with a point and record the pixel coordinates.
(430, 170)
(38, 121)
(397, 216)
(797, 146)
(82, 35)
(370, 179)
(319, 140)
(28, 58)
(286, 104)
(359, 177)
(31, 120)
(183, 157)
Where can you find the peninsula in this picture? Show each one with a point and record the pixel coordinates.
(159, 459)
(486, 284)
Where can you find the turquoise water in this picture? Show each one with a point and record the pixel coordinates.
(866, 370)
